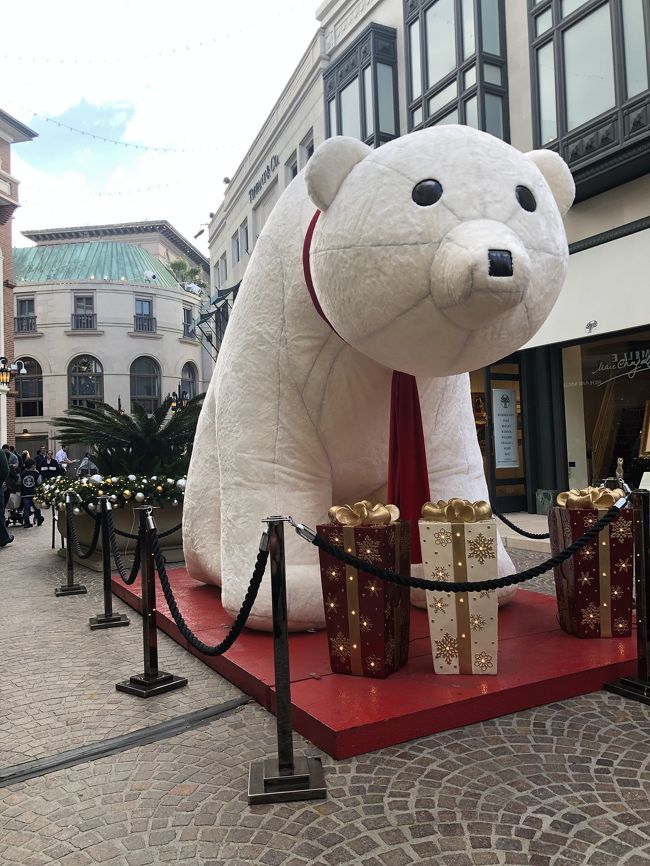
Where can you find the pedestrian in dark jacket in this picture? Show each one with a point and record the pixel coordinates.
(5, 538)
(30, 478)
(50, 469)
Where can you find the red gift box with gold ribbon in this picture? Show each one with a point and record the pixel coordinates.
(594, 586)
(367, 618)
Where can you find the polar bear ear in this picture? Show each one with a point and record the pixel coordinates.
(331, 163)
(557, 175)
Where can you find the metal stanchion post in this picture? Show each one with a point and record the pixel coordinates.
(639, 689)
(108, 619)
(285, 778)
(69, 588)
(53, 527)
(152, 681)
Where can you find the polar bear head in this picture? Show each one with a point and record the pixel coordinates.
(441, 251)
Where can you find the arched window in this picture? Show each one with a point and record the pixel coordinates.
(29, 390)
(85, 382)
(145, 384)
(188, 380)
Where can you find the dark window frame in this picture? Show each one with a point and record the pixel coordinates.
(376, 44)
(87, 400)
(613, 147)
(149, 402)
(417, 9)
(189, 384)
(24, 379)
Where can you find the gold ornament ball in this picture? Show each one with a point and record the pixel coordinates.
(100, 492)
(159, 488)
(126, 494)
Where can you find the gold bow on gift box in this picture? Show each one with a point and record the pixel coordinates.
(456, 511)
(590, 497)
(363, 513)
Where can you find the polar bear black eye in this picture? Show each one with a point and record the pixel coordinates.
(526, 199)
(427, 192)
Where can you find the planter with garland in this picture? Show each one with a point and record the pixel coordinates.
(126, 493)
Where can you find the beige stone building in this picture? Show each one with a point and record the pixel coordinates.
(571, 75)
(98, 317)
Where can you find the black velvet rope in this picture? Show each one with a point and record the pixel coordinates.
(467, 586)
(127, 577)
(518, 528)
(242, 616)
(134, 535)
(74, 539)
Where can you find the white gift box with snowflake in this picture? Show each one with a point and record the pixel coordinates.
(463, 625)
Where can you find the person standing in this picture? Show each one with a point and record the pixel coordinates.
(63, 460)
(30, 478)
(5, 537)
(12, 457)
(40, 456)
(50, 468)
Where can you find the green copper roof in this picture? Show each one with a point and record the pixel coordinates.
(80, 262)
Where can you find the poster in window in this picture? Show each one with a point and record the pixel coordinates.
(504, 410)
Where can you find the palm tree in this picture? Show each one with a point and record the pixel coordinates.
(186, 274)
(155, 444)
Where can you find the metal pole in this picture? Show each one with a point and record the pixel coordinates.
(152, 681)
(69, 588)
(108, 619)
(285, 778)
(53, 527)
(639, 688)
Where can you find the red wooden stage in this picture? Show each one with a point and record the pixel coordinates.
(346, 716)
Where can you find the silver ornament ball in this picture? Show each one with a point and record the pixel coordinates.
(181, 483)
(139, 497)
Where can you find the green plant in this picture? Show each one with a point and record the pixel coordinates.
(121, 444)
(186, 274)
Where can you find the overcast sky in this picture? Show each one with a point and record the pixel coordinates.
(196, 75)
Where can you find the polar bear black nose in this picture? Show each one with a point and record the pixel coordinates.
(500, 263)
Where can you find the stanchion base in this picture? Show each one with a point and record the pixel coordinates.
(73, 589)
(145, 687)
(637, 690)
(112, 621)
(266, 785)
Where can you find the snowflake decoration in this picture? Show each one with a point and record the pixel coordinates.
(621, 625)
(365, 624)
(483, 661)
(590, 520)
(390, 538)
(340, 646)
(442, 537)
(368, 549)
(331, 604)
(621, 530)
(438, 605)
(335, 539)
(374, 664)
(624, 564)
(440, 573)
(587, 553)
(390, 652)
(617, 592)
(334, 573)
(481, 548)
(590, 616)
(485, 593)
(372, 589)
(477, 622)
(585, 579)
(447, 648)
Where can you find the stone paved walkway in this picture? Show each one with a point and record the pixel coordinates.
(562, 785)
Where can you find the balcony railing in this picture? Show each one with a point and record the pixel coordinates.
(84, 321)
(144, 324)
(24, 324)
(189, 331)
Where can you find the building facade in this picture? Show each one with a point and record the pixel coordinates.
(99, 320)
(11, 132)
(570, 75)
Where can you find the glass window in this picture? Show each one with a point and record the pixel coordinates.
(494, 114)
(490, 26)
(243, 237)
(235, 247)
(84, 304)
(469, 36)
(416, 64)
(636, 59)
(350, 118)
(25, 306)
(471, 112)
(589, 67)
(492, 73)
(544, 22)
(188, 380)
(368, 100)
(223, 269)
(441, 99)
(145, 384)
(440, 24)
(569, 6)
(452, 117)
(546, 92)
(386, 98)
(143, 307)
(29, 390)
(331, 108)
(416, 116)
(470, 77)
(85, 382)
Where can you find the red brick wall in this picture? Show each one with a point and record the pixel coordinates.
(8, 298)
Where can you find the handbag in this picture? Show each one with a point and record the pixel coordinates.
(15, 500)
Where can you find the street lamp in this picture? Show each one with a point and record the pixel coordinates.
(178, 400)
(7, 368)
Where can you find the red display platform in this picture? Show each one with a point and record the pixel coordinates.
(346, 716)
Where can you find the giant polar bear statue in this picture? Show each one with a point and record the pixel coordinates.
(407, 261)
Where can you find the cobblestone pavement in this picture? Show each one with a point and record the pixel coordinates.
(561, 785)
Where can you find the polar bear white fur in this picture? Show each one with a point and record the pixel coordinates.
(296, 417)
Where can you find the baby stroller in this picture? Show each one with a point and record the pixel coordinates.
(15, 509)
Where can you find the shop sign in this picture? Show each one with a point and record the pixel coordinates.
(504, 413)
(266, 176)
(619, 365)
